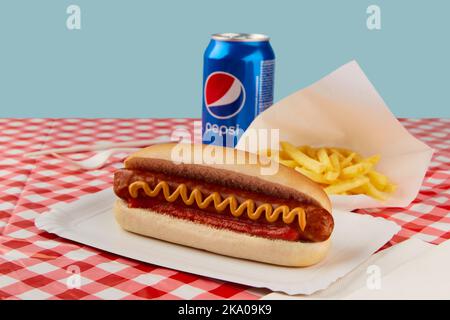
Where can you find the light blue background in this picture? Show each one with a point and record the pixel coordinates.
(144, 58)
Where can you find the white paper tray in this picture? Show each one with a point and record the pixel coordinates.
(90, 221)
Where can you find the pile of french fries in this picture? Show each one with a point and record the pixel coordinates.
(339, 171)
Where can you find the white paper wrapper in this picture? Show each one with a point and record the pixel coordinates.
(344, 110)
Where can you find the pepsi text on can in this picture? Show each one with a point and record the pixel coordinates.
(238, 77)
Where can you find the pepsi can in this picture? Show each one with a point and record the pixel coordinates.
(238, 75)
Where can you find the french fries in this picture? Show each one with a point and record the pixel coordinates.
(313, 175)
(339, 170)
(302, 159)
(289, 163)
(347, 185)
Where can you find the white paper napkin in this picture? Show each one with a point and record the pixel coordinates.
(344, 110)
(425, 277)
(412, 269)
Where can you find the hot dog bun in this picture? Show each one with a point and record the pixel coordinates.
(285, 183)
(229, 243)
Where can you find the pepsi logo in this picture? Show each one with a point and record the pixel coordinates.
(224, 95)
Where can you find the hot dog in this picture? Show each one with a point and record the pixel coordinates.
(228, 208)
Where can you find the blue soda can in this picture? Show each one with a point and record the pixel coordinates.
(238, 76)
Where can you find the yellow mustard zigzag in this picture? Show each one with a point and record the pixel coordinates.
(220, 205)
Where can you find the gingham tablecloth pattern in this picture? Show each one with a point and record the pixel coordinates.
(38, 265)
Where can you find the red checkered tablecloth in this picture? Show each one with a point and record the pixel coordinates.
(38, 265)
